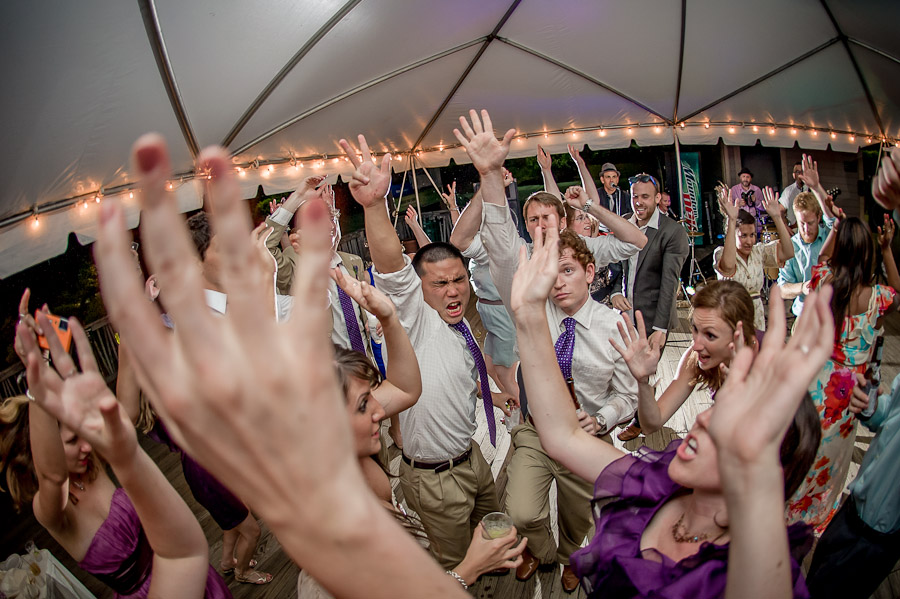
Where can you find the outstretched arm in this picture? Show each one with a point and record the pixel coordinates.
(618, 226)
(810, 176)
(449, 199)
(773, 209)
(550, 406)
(545, 162)
(753, 411)
(587, 182)
(369, 187)
(727, 264)
(468, 224)
(412, 221)
(403, 384)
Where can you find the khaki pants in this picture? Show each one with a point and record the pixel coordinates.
(530, 473)
(451, 503)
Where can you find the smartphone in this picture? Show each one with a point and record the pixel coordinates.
(61, 326)
(872, 392)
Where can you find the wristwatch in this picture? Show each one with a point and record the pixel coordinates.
(601, 423)
(587, 205)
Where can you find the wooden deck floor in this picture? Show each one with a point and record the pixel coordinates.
(545, 585)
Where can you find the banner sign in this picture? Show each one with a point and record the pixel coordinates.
(691, 210)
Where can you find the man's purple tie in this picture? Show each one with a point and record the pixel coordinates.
(565, 345)
(356, 341)
(482, 374)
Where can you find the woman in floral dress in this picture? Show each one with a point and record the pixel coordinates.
(847, 261)
(742, 259)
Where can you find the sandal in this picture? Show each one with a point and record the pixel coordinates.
(228, 570)
(253, 577)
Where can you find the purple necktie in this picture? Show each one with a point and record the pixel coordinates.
(482, 374)
(356, 341)
(565, 345)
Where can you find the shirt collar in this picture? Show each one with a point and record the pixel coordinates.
(336, 259)
(653, 223)
(216, 300)
(583, 316)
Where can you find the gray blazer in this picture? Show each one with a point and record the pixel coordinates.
(658, 268)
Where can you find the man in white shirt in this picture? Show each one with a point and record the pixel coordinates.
(604, 392)
(443, 475)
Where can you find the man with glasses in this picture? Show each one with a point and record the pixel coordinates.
(790, 192)
(649, 281)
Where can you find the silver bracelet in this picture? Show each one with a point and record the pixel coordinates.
(587, 205)
(458, 578)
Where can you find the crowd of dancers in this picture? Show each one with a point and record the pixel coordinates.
(268, 361)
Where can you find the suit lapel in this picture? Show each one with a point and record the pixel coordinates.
(651, 234)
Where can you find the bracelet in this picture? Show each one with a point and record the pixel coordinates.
(587, 205)
(458, 578)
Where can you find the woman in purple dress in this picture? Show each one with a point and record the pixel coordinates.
(706, 516)
(121, 535)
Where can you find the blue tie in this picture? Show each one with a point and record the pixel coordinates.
(482, 374)
(356, 342)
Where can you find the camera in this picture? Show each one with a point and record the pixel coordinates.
(747, 196)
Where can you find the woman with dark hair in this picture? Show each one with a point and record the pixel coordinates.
(140, 539)
(705, 518)
(847, 263)
(743, 260)
(721, 323)
(369, 400)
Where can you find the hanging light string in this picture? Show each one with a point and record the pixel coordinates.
(300, 164)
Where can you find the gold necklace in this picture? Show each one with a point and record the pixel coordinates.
(681, 535)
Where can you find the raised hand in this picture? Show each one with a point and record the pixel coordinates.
(575, 153)
(771, 204)
(370, 298)
(543, 158)
(886, 233)
(508, 178)
(486, 152)
(810, 174)
(412, 217)
(369, 184)
(536, 276)
(273, 206)
(757, 403)
(886, 184)
(576, 196)
(258, 237)
(729, 208)
(639, 354)
(449, 198)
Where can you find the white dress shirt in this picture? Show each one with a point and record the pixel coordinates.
(603, 384)
(653, 223)
(441, 424)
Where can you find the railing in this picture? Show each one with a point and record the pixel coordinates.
(102, 338)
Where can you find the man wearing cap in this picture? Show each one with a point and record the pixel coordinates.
(611, 197)
(748, 196)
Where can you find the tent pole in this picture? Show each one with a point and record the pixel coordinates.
(412, 165)
(399, 198)
(680, 184)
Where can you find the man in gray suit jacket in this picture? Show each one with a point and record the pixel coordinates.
(649, 281)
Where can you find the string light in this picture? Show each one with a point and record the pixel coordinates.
(833, 135)
(731, 129)
(793, 132)
(755, 129)
(706, 125)
(682, 124)
(628, 131)
(868, 140)
(130, 195)
(574, 134)
(602, 132)
(771, 130)
(852, 138)
(657, 129)
(815, 133)
(169, 186)
(35, 223)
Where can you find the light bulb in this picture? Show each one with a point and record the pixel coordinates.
(793, 132)
(657, 129)
(35, 223)
(628, 131)
(682, 124)
(815, 133)
(169, 186)
(270, 168)
(731, 129)
(130, 195)
(852, 138)
(833, 135)
(771, 130)
(706, 125)
(602, 132)
(755, 129)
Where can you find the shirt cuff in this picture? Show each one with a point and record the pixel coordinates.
(495, 213)
(661, 329)
(282, 216)
(607, 418)
(397, 282)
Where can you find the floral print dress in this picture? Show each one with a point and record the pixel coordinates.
(819, 496)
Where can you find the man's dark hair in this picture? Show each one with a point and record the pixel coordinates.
(201, 232)
(435, 252)
(798, 163)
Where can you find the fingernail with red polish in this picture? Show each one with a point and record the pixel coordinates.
(148, 158)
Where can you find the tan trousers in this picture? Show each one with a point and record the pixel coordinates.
(451, 503)
(530, 473)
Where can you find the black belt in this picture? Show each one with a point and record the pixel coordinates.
(440, 466)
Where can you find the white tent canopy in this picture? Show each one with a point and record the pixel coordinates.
(278, 83)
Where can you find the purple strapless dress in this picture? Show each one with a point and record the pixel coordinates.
(626, 496)
(227, 510)
(121, 557)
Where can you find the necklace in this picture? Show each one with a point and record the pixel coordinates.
(681, 535)
(80, 487)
